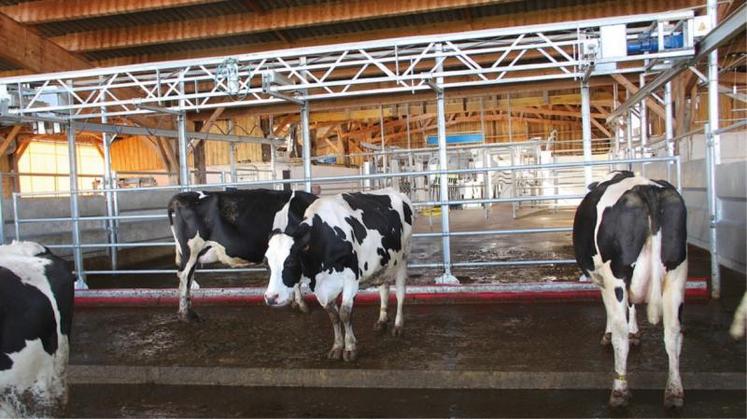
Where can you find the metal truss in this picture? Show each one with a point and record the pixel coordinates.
(479, 58)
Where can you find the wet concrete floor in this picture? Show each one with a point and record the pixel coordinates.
(539, 337)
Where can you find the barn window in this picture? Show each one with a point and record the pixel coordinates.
(45, 168)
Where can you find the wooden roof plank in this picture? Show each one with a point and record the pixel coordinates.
(46, 11)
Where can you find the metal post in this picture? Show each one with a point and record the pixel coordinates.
(668, 126)
(643, 115)
(713, 215)
(181, 126)
(488, 181)
(16, 224)
(74, 211)
(385, 162)
(110, 227)
(586, 128)
(232, 154)
(713, 110)
(306, 146)
(447, 277)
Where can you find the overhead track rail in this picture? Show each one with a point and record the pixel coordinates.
(569, 50)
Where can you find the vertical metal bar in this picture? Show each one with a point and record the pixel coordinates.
(643, 115)
(108, 198)
(384, 156)
(443, 160)
(306, 146)
(16, 224)
(2, 217)
(586, 128)
(713, 102)
(74, 210)
(232, 153)
(616, 126)
(712, 198)
(181, 126)
(668, 126)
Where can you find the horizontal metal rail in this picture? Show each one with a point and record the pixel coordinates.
(322, 179)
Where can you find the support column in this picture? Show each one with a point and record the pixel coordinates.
(80, 283)
(668, 126)
(643, 115)
(181, 127)
(586, 126)
(713, 214)
(111, 226)
(306, 146)
(714, 149)
(232, 154)
(443, 159)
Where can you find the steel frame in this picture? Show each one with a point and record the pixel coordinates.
(303, 75)
(706, 47)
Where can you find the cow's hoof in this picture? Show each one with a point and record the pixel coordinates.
(619, 398)
(190, 316)
(350, 355)
(379, 326)
(634, 338)
(335, 354)
(674, 398)
(300, 306)
(398, 331)
(606, 339)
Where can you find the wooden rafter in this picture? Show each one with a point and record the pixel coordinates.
(655, 107)
(44, 11)
(247, 23)
(27, 49)
(9, 138)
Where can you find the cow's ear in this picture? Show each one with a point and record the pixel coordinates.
(592, 185)
(302, 236)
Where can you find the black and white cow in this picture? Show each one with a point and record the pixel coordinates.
(230, 227)
(36, 312)
(345, 242)
(629, 236)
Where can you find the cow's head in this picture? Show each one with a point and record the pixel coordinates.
(283, 256)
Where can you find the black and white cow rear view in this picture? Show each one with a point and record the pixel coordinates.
(36, 311)
(629, 236)
(230, 227)
(345, 242)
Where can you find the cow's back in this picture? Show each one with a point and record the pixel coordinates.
(241, 221)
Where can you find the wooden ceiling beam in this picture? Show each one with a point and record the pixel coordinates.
(251, 22)
(27, 49)
(598, 9)
(45, 11)
(9, 138)
(655, 107)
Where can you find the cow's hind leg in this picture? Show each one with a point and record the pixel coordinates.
(399, 320)
(607, 335)
(672, 303)
(380, 324)
(346, 315)
(185, 275)
(616, 301)
(334, 316)
(634, 335)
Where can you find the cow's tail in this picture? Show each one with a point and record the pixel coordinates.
(178, 252)
(655, 280)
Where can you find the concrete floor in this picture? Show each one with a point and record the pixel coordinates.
(545, 360)
(457, 360)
